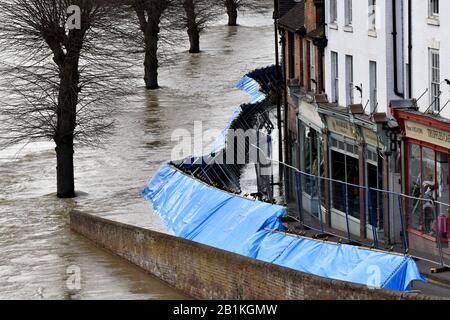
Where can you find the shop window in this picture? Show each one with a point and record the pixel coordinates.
(375, 216)
(345, 175)
(428, 184)
(442, 182)
(428, 188)
(310, 160)
(415, 189)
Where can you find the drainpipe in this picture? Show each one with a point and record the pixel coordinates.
(277, 63)
(286, 116)
(395, 48)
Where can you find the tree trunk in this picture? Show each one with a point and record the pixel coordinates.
(194, 40)
(232, 12)
(151, 63)
(192, 26)
(66, 122)
(65, 169)
(151, 66)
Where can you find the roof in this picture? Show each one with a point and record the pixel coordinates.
(285, 6)
(294, 20)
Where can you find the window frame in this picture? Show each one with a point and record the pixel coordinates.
(435, 82)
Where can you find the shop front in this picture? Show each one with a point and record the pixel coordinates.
(311, 159)
(426, 151)
(344, 173)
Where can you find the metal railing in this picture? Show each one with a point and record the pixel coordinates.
(345, 210)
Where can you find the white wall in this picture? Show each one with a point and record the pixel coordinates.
(364, 47)
(425, 36)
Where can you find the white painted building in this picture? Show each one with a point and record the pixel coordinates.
(430, 53)
(360, 53)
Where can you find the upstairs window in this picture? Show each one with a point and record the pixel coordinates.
(334, 77)
(372, 14)
(333, 11)
(312, 67)
(435, 80)
(433, 8)
(373, 86)
(348, 12)
(349, 79)
(291, 55)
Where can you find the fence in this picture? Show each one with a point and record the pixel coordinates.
(348, 210)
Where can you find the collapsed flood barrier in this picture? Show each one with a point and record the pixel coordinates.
(197, 208)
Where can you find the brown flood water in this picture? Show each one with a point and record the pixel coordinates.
(37, 248)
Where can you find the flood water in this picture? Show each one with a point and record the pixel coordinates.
(37, 248)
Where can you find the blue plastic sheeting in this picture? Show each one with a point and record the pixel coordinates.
(198, 212)
(335, 261)
(201, 213)
(253, 88)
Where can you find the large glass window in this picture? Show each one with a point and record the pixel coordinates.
(374, 181)
(442, 182)
(310, 161)
(345, 175)
(415, 189)
(428, 183)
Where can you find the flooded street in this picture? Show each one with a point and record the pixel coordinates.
(38, 248)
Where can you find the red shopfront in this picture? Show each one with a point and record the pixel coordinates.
(425, 177)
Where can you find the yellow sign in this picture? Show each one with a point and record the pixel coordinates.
(341, 127)
(371, 138)
(428, 134)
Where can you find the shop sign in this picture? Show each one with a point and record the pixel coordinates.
(371, 138)
(428, 134)
(341, 127)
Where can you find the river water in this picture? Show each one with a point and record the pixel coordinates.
(38, 250)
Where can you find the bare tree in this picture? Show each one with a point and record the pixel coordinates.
(233, 7)
(197, 15)
(150, 14)
(62, 61)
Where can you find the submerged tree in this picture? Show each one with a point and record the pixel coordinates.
(150, 14)
(60, 67)
(197, 14)
(233, 7)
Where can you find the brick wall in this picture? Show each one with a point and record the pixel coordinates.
(208, 273)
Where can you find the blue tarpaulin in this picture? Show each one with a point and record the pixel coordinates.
(201, 213)
(253, 88)
(335, 261)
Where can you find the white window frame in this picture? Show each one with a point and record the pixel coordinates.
(373, 85)
(334, 77)
(433, 8)
(372, 15)
(435, 79)
(312, 67)
(348, 13)
(349, 79)
(333, 12)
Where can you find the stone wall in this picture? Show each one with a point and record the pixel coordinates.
(207, 273)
